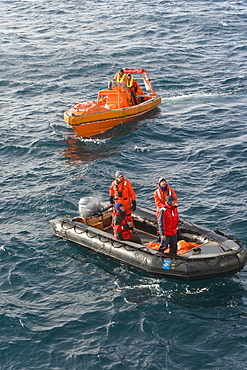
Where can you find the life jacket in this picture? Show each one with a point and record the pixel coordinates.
(168, 220)
(119, 229)
(130, 82)
(182, 245)
(121, 78)
(123, 192)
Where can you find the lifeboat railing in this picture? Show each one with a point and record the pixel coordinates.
(146, 79)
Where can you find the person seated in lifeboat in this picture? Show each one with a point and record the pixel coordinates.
(122, 228)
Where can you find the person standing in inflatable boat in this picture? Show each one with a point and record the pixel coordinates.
(168, 225)
(122, 227)
(162, 192)
(121, 191)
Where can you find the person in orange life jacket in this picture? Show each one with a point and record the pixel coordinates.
(122, 227)
(162, 192)
(168, 225)
(121, 191)
(132, 86)
(120, 77)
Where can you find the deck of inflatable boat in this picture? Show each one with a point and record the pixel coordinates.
(209, 247)
(217, 254)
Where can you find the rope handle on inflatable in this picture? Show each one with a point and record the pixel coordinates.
(91, 234)
(126, 246)
(129, 248)
(103, 239)
(119, 245)
(77, 227)
(64, 222)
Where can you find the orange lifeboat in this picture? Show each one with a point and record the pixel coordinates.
(113, 106)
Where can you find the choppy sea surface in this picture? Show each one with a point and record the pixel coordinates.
(63, 307)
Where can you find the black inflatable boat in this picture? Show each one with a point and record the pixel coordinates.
(214, 255)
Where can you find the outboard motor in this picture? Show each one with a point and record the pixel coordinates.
(89, 207)
(110, 84)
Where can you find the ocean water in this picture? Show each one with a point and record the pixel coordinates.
(63, 307)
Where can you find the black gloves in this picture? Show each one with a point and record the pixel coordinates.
(133, 205)
(128, 226)
(112, 199)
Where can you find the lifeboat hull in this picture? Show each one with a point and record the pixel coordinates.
(92, 124)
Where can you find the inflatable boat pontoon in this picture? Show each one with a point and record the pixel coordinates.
(209, 253)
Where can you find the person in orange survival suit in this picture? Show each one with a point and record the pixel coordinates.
(162, 192)
(122, 227)
(121, 191)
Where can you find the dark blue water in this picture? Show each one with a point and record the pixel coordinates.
(63, 307)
